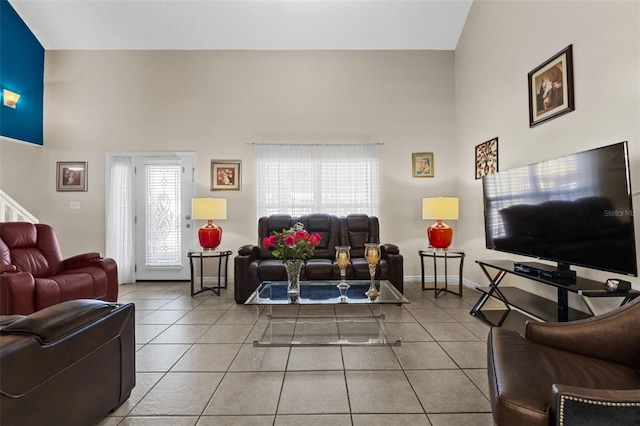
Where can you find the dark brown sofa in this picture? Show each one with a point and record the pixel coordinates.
(584, 372)
(34, 275)
(255, 264)
(68, 364)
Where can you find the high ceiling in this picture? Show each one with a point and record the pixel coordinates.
(243, 24)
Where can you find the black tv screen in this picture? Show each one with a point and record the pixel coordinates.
(574, 210)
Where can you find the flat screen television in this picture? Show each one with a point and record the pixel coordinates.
(573, 210)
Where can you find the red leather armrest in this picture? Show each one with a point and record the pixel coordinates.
(8, 268)
(17, 293)
(71, 262)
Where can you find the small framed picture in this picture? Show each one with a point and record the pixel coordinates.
(551, 88)
(486, 158)
(422, 164)
(225, 175)
(71, 176)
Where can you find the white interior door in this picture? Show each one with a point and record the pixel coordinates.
(164, 188)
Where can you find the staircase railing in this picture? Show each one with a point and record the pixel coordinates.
(12, 211)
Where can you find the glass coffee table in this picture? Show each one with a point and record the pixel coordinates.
(325, 315)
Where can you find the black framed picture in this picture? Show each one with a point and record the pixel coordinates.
(487, 158)
(551, 88)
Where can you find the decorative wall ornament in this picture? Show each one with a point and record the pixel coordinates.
(487, 158)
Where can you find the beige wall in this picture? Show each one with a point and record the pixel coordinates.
(502, 42)
(217, 103)
(99, 102)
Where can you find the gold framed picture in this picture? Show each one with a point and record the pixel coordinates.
(225, 175)
(71, 176)
(422, 164)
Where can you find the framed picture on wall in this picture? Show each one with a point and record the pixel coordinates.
(422, 164)
(225, 175)
(71, 176)
(487, 158)
(551, 88)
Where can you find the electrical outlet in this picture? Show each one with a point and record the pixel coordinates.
(74, 205)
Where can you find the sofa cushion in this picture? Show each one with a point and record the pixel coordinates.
(270, 270)
(267, 226)
(357, 229)
(318, 269)
(514, 360)
(327, 227)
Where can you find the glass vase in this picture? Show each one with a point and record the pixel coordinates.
(293, 268)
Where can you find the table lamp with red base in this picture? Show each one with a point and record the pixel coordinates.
(440, 234)
(210, 235)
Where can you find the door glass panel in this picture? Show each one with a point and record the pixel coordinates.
(163, 216)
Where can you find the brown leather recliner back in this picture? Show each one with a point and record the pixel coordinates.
(572, 373)
(255, 264)
(68, 364)
(34, 275)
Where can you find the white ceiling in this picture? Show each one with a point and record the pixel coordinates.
(243, 24)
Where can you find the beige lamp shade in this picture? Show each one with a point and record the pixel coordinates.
(440, 208)
(208, 208)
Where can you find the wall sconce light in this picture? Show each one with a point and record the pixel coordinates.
(440, 208)
(9, 98)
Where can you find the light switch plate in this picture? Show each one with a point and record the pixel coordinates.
(74, 205)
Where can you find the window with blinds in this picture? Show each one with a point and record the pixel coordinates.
(163, 216)
(322, 178)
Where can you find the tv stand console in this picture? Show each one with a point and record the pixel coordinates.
(536, 306)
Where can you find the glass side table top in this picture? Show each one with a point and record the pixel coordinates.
(325, 293)
(431, 251)
(208, 253)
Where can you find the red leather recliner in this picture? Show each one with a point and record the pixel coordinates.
(33, 274)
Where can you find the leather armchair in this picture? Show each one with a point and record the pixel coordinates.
(34, 275)
(68, 364)
(255, 264)
(573, 373)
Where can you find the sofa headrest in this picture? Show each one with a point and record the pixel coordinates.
(32, 248)
(19, 234)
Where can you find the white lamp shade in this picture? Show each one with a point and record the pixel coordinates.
(208, 208)
(440, 208)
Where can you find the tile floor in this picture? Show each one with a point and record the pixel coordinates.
(196, 366)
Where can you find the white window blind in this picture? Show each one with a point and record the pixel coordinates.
(321, 178)
(163, 216)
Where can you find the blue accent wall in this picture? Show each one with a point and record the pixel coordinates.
(21, 71)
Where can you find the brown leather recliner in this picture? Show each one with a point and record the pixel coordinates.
(255, 264)
(34, 275)
(68, 364)
(584, 372)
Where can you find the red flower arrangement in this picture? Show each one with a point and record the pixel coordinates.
(293, 243)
